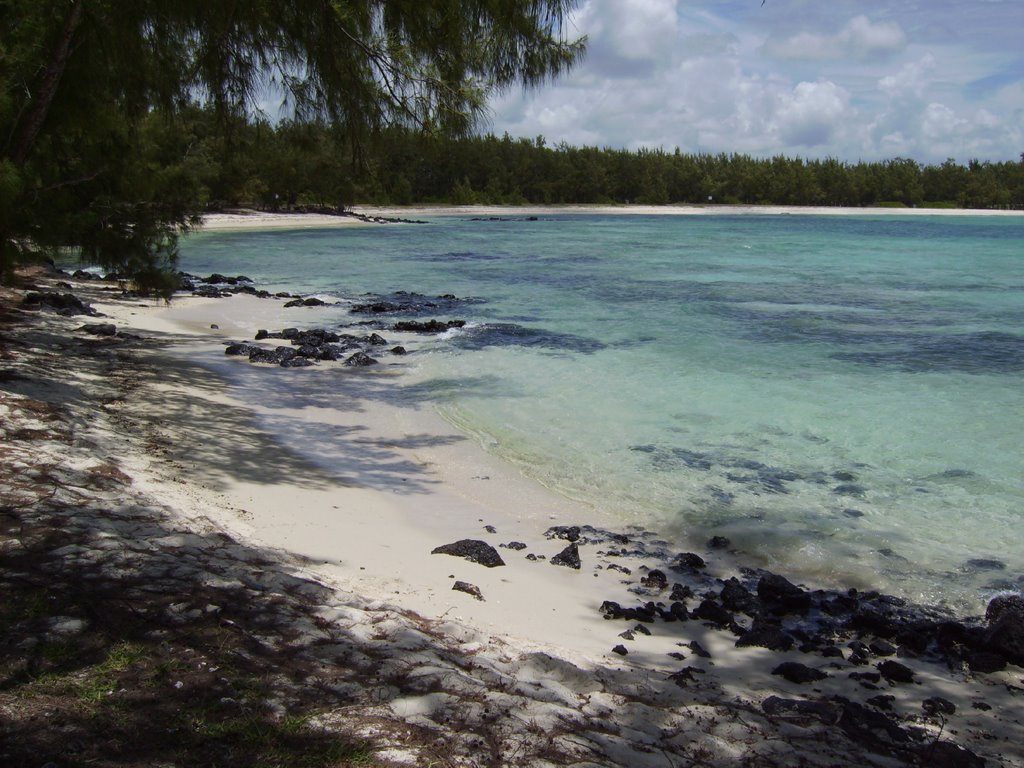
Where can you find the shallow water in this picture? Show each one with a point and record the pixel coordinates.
(840, 396)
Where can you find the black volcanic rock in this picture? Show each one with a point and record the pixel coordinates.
(736, 597)
(469, 589)
(360, 360)
(567, 532)
(781, 595)
(985, 662)
(936, 705)
(712, 611)
(1005, 632)
(274, 356)
(688, 562)
(655, 579)
(99, 329)
(795, 672)
(241, 348)
(568, 557)
(895, 672)
(473, 550)
(766, 636)
(430, 326)
(66, 304)
(882, 701)
(946, 754)
(679, 592)
(798, 709)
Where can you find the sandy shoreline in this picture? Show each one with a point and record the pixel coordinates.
(269, 220)
(369, 484)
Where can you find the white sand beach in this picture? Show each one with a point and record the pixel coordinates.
(369, 486)
(285, 220)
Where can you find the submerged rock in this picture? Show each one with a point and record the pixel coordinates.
(983, 564)
(430, 326)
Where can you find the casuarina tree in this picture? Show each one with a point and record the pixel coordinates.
(95, 97)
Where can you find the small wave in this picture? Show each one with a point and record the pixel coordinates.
(455, 332)
(513, 335)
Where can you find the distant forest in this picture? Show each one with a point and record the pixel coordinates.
(290, 165)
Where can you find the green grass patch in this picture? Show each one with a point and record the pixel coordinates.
(266, 743)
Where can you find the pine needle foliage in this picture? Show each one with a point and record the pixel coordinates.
(96, 98)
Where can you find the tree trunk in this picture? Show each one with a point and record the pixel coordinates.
(47, 90)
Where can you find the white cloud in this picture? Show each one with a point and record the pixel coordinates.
(629, 37)
(812, 113)
(912, 80)
(939, 123)
(860, 38)
(698, 76)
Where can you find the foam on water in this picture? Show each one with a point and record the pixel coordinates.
(839, 396)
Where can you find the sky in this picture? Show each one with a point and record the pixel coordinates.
(850, 79)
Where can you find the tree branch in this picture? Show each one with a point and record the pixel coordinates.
(48, 85)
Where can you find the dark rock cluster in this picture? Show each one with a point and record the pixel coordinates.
(218, 286)
(311, 346)
(866, 638)
(406, 302)
(66, 304)
(765, 609)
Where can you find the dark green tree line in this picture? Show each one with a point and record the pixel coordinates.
(314, 165)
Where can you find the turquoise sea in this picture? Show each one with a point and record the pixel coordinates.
(840, 396)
